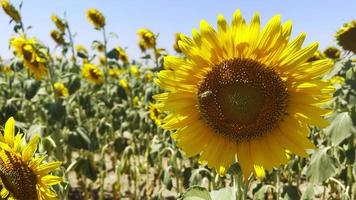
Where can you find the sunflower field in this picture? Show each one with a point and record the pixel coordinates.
(242, 110)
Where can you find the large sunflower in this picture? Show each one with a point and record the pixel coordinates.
(23, 176)
(243, 93)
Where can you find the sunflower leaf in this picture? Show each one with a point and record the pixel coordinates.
(322, 166)
(340, 128)
(224, 193)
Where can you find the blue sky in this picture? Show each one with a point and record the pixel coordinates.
(318, 18)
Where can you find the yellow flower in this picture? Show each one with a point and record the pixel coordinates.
(155, 113)
(346, 36)
(243, 92)
(82, 51)
(57, 37)
(60, 24)
(317, 56)
(96, 18)
(337, 80)
(135, 101)
(160, 52)
(115, 72)
(123, 84)
(332, 53)
(134, 71)
(92, 73)
(146, 38)
(6, 69)
(61, 89)
(100, 47)
(11, 11)
(142, 45)
(24, 176)
(102, 60)
(148, 76)
(176, 46)
(122, 55)
(33, 55)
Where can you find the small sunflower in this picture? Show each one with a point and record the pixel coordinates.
(243, 93)
(115, 72)
(92, 73)
(96, 18)
(146, 38)
(136, 101)
(148, 76)
(11, 11)
(122, 55)
(57, 37)
(61, 89)
(332, 53)
(102, 60)
(134, 71)
(155, 113)
(32, 53)
(177, 39)
(60, 24)
(123, 83)
(24, 176)
(346, 36)
(81, 51)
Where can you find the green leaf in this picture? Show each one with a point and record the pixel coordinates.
(224, 193)
(322, 166)
(79, 139)
(85, 167)
(309, 193)
(340, 128)
(290, 192)
(196, 193)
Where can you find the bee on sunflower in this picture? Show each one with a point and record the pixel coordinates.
(243, 94)
(34, 55)
(23, 175)
(92, 73)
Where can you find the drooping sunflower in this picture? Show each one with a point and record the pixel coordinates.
(243, 92)
(146, 38)
(96, 18)
(32, 53)
(92, 73)
(332, 53)
(346, 36)
(155, 113)
(23, 175)
(122, 55)
(11, 11)
(60, 89)
(60, 23)
(57, 37)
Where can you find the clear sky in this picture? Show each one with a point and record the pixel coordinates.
(318, 18)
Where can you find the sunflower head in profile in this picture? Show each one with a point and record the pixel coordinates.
(332, 53)
(57, 37)
(346, 36)
(243, 93)
(24, 176)
(96, 18)
(146, 38)
(176, 40)
(11, 11)
(61, 89)
(122, 55)
(60, 23)
(32, 53)
(92, 73)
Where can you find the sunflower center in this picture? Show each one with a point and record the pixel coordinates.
(242, 99)
(17, 177)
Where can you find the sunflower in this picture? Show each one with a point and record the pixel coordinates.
(82, 51)
(60, 24)
(346, 36)
(102, 60)
(243, 93)
(122, 55)
(115, 72)
(96, 18)
(61, 89)
(11, 11)
(148, 76)
(57, 37)
(123, 83)
(92, 73)
(146, 38)
(177, 39)
(155, 113)
(24, 176)
(134, 71)
(32, 53)
(332, 53)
